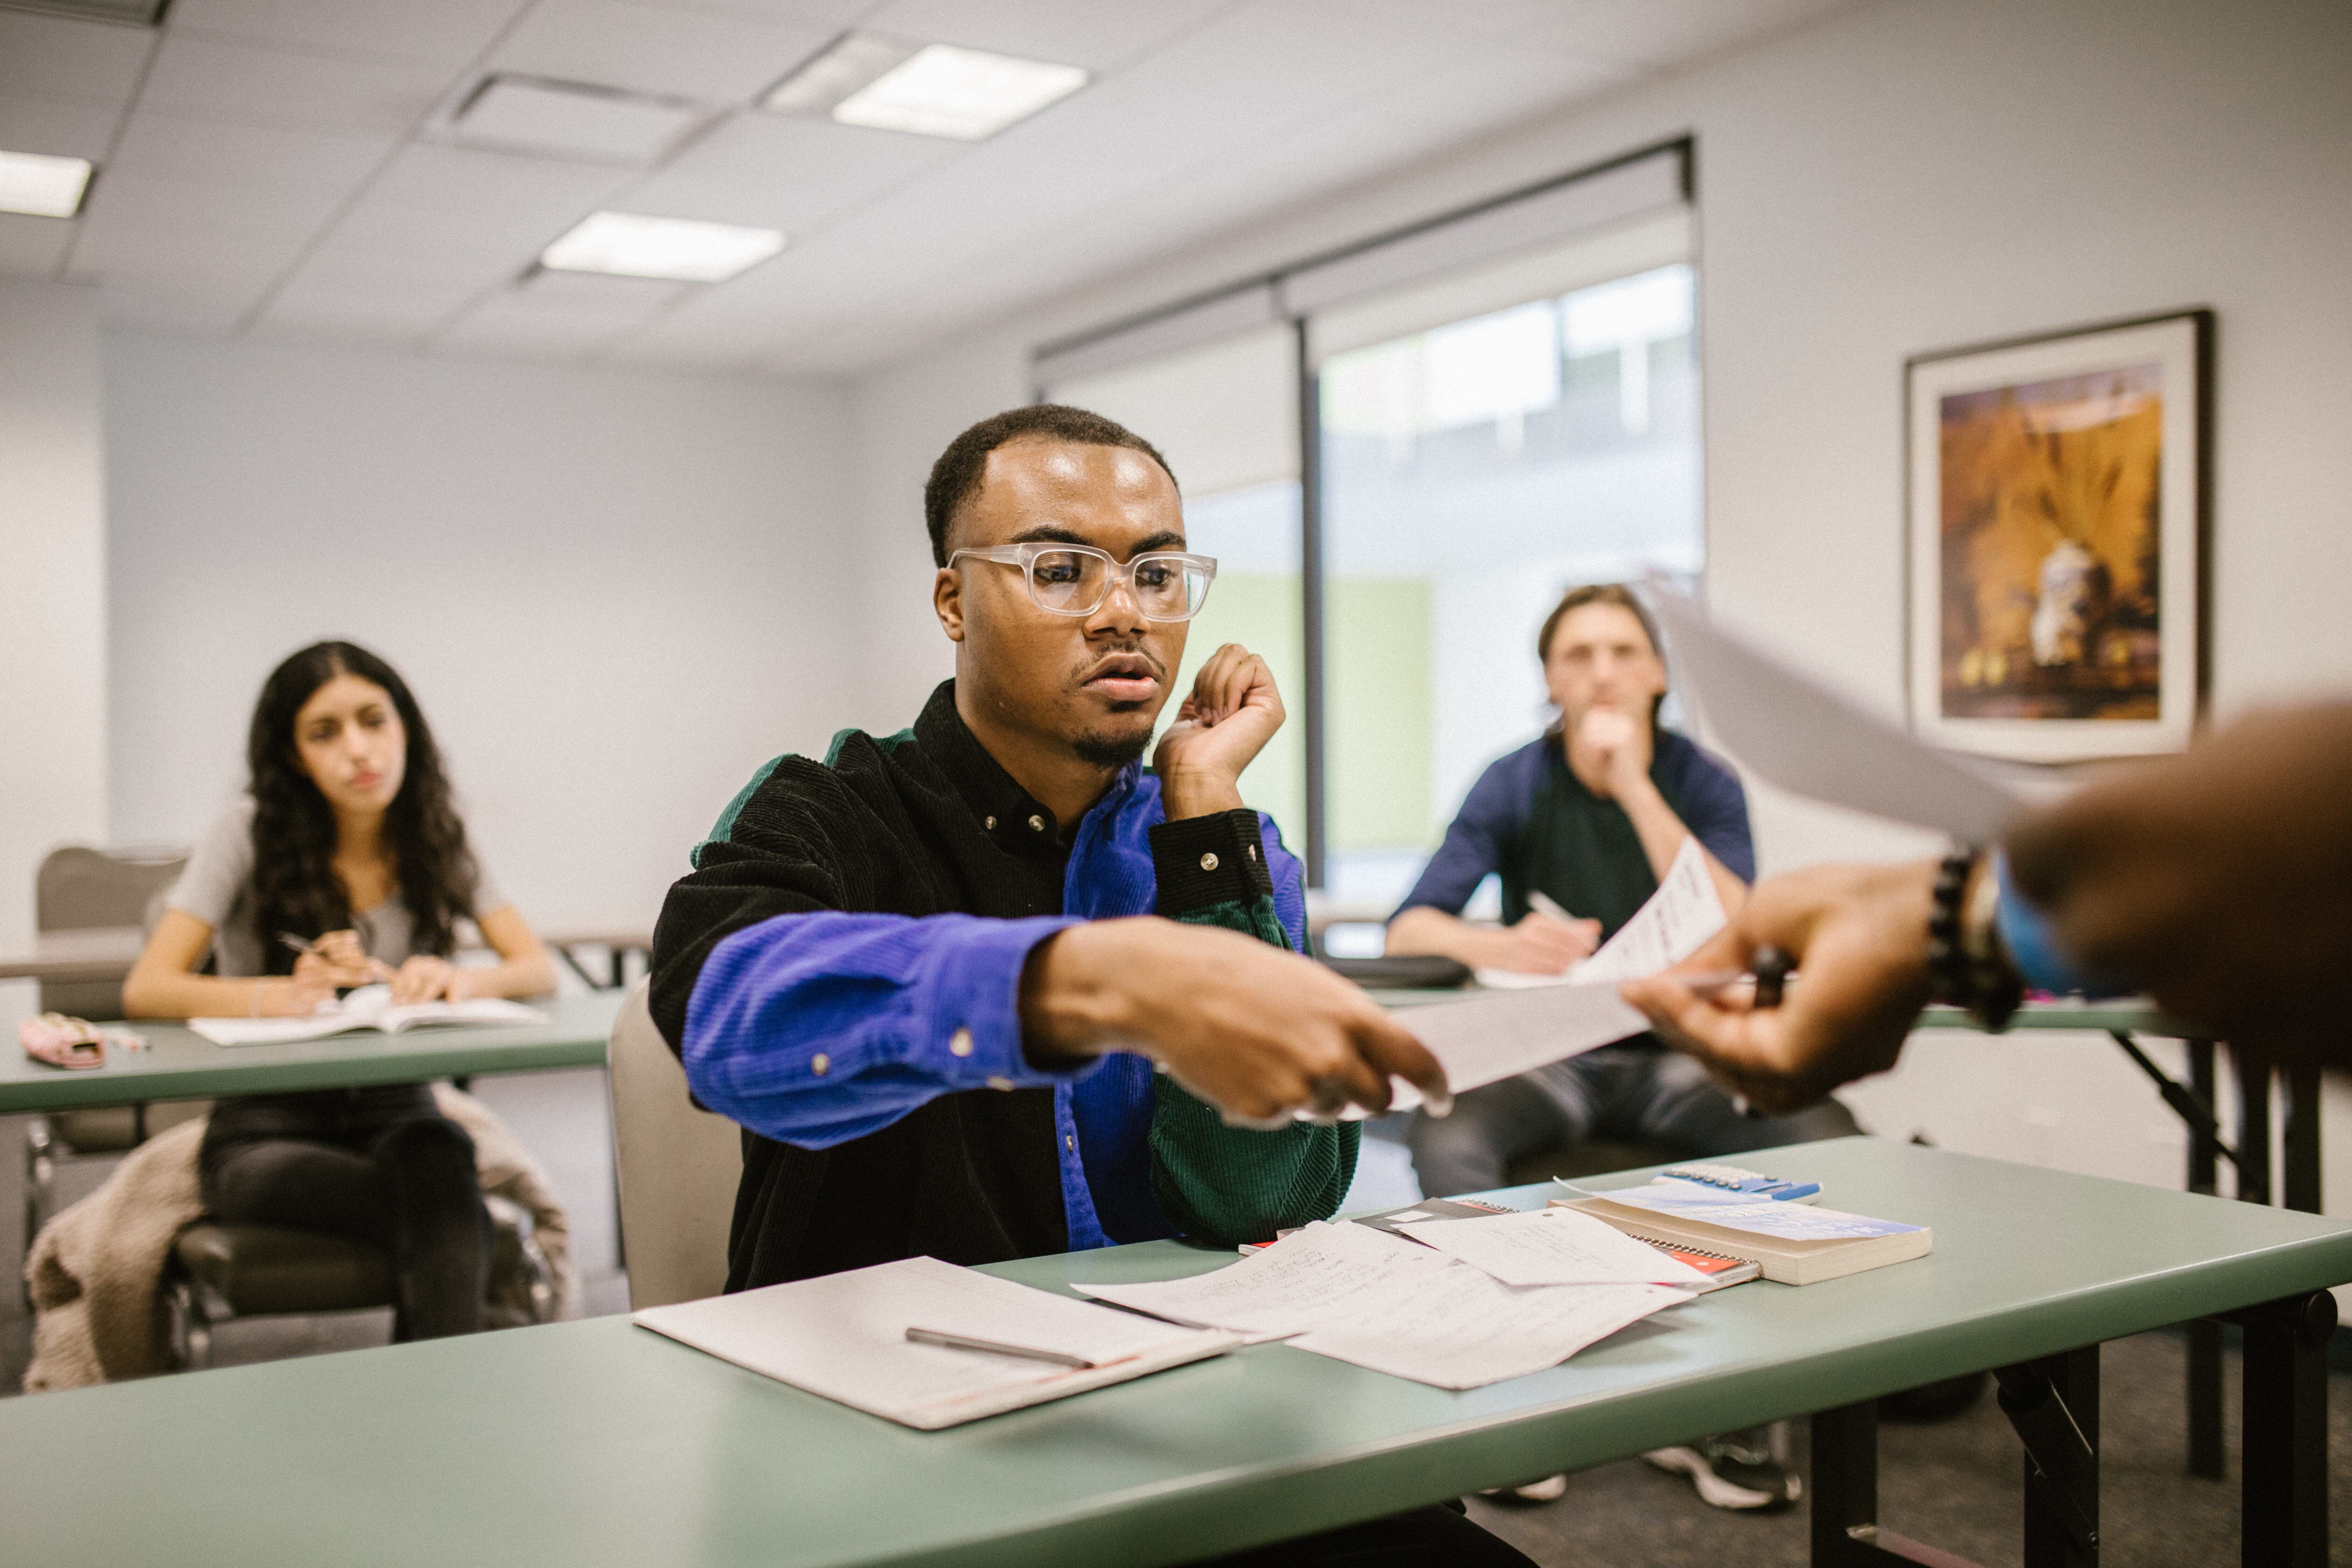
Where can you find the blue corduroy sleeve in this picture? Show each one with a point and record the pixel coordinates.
(816, 1028)
(2033, 947)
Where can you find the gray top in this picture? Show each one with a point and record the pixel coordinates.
(217, 889)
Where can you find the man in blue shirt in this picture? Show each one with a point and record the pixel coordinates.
(1586, 819)
(1583, 823)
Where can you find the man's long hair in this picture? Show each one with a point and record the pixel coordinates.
(295, 885)
(1623, 597)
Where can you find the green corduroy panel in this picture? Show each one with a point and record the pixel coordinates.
(1225, 1185)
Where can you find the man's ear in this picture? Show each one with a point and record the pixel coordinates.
(947, 602)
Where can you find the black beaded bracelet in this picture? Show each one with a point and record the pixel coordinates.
(1967, 967)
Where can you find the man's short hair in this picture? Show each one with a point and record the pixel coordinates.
(1616, 593)
(955, 477)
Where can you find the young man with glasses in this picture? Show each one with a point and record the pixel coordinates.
(932, 975)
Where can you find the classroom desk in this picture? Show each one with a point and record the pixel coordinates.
(596, 1443)
(107, 952)
(180, 1064)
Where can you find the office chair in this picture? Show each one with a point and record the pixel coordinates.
(678, 1165)
(218, 1273)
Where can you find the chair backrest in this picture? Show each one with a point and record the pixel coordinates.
(79, 887)
(678, 1166)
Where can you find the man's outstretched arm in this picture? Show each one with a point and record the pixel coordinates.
(2220, 882)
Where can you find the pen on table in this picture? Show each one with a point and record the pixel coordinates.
(967, 1343)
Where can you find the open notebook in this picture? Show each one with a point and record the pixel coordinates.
(844, 1336)
(368, 1008)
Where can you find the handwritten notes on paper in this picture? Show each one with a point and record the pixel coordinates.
(1552, 1247)
(1379, 1300)
(1485, 1038)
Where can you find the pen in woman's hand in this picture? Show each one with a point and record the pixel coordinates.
(296, 943)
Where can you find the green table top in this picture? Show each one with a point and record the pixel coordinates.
(180, 1064)
(595, 1443)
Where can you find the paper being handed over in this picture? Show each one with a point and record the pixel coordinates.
(1485, 1038)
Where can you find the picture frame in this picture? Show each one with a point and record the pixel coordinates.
(2057, 536)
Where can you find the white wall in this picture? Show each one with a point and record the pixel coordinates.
(615, 594)
(53, 608)
(1904, 177)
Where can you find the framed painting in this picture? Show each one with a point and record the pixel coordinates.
(2057, 537)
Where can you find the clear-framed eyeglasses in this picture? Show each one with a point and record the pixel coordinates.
(1075, 579)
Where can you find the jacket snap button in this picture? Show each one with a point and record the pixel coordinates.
(1209, 862)
(819, 1063)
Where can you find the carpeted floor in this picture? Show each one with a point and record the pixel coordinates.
(1955, 1485)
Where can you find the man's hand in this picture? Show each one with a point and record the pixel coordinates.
(1233, 712)
(1539, 944)
(1619, 744)
(1859, 934)
(1257, 1032)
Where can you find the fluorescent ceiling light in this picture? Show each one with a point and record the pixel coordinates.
(938, 89)
(573, 120)
(44, 186)
(630, 245)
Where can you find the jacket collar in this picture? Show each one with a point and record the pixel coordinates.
(1012, 817)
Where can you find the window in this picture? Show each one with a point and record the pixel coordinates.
(1470, 473)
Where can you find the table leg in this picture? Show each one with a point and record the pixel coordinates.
(2053, 1403)
(2300, 1138)
(2284, 1517)
(2253, 1071)
(1844, 1493)
(2208, 1452)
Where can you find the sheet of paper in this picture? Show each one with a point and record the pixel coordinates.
(1323, 1274)
(1484, 1038)
(1553, 1246)
(844, 1336)
(1476, 1330)
(1788, 1221)
(1668, 927)
(1793, 730)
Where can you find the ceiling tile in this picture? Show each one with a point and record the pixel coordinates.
(830, 14)
(459, 179)
(230, 81)
(559, 320)
(164, 212)
(58, 57)
(781, 172)
(380, 311)
(62, 128)
(1658, 33)
(445, 34)
(32, 246)
(217, 152)
(710, 56)
(1067, 31)
(201, 307)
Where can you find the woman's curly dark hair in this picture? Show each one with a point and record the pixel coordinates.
(295, 887)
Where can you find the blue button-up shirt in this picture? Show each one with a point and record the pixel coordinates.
(816, 1028)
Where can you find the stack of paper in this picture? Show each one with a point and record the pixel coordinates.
(845, 1336)
(1378, 1300)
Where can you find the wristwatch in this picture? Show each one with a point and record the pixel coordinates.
(1968, 965)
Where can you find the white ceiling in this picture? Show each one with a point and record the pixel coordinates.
(278, 169)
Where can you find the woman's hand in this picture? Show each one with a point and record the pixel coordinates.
(426, 979)
(336, 961)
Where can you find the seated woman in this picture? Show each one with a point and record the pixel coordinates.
(344, 865)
